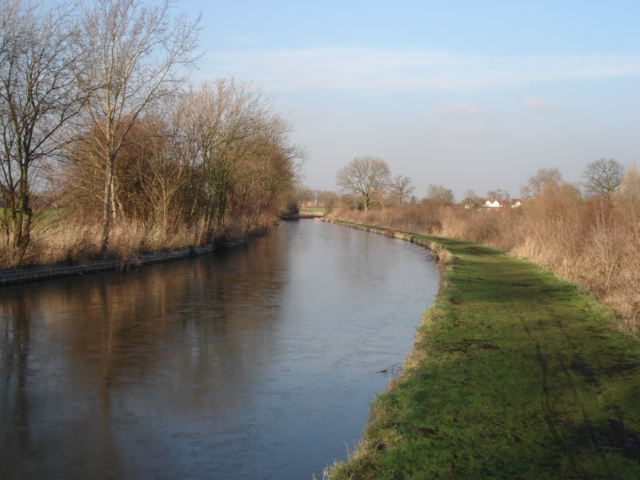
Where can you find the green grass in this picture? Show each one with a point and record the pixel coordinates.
(46, 215)
(315, 209)
(515, 374)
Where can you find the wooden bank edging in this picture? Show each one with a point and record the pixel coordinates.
(381, 231)
(27, 275)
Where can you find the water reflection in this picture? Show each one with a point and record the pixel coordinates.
(253, 363)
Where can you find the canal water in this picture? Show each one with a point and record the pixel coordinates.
(255, 363)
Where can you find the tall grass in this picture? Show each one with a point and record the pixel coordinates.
(594, 246)
(69, 241)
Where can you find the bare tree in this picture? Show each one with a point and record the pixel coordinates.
(302, 195)
(627, 198)
(439, 195)
(156, 180)
(367, 176)
(132, 54)
(603, 178)
(544, 178)
(217, 158)
(471, 200)
(237, 142)
(38, 96)
(550, 194)
(401, 188)
(328, 198)
(499, 193)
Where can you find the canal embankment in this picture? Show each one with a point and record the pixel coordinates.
(53, 271)
(515, 373)
(50, 272)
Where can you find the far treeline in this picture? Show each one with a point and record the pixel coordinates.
(109, 151)
(587, 233)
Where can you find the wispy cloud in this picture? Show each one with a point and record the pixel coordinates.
(539, 103)
(414, 69)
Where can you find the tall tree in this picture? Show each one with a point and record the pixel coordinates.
(163, 176)
(439, 195)
(400, 188)
(603, 178)
(499, 193)
(132, 54)
(38, 95)
(239, 146)
(544, 179)
(225, 122)
(627, 198)
(367, 176)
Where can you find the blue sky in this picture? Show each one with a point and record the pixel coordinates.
(465, 94)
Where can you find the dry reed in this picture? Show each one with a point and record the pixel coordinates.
(68, 241)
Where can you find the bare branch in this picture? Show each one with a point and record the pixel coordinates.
(365, 176)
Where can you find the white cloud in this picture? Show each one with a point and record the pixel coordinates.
(457, 108)
(539, 103)
(411, 69)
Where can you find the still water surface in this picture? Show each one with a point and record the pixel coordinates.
(256, 363)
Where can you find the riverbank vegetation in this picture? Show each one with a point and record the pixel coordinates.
(514, 374)
(591, 240)
(109, 151)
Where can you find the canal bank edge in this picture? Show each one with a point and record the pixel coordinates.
(50, 272)
(514, 374)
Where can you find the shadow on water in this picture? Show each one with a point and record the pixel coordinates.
(253, 362)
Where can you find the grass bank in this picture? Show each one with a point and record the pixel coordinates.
(594, 247)
(514, 374)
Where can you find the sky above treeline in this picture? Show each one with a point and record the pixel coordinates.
(465, 94)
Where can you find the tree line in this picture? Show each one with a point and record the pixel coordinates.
(366, 181)
(97, 113)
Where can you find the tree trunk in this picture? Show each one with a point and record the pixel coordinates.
(22, 218)
(108, 207)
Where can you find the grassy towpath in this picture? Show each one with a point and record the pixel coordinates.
(515, 374)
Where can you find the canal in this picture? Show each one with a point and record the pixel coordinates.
(258, 362)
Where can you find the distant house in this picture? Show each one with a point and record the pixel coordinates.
(493, 202)
(499, 202)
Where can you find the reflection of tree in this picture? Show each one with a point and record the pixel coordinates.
(109, 348)
(120, 323)
(14, 349)
(364, 267)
